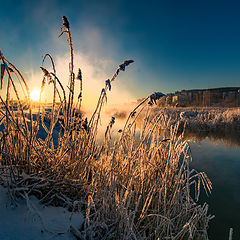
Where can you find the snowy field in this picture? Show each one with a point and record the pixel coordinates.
(29, 220)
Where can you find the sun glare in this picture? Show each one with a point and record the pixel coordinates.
(35, 95)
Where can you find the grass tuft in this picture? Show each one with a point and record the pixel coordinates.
(138, 186)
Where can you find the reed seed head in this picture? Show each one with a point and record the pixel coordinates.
(45, 71)
(65, 22)
(79, 95)
(154, 97)
(112, 121)
(108, 84)
(122, 66)
(79, 76)
(127, 62)
(3, 67)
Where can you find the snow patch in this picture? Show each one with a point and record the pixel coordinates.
(33, 221)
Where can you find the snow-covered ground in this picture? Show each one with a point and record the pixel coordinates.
(202, 119)
(29, 220)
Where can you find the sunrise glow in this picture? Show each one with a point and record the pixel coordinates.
(125, 112)
(35, 95)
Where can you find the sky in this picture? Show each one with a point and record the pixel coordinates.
(175, 44)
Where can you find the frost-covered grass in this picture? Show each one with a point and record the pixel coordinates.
(212, 117)
(131, 188)
(223, 123)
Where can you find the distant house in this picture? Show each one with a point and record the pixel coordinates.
(228, 97)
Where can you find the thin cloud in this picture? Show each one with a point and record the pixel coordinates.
(94, 76)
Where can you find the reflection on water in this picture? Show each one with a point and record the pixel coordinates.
(227, 136)
(220, 160)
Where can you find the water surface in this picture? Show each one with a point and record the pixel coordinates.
(221, 161)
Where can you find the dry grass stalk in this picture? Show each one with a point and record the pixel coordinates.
(130, 189)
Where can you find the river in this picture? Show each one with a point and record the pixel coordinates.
(221, 161)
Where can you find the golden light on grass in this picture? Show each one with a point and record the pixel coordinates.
(132, 188)
(35, 95)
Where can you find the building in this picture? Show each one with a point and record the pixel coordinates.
(222, 97)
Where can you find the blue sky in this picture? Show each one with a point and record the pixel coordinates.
(175, 44)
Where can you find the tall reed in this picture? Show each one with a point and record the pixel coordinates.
(132, 188)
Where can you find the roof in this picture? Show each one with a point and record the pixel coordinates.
(225, 89)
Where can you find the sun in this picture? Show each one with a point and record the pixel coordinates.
(35, 95)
